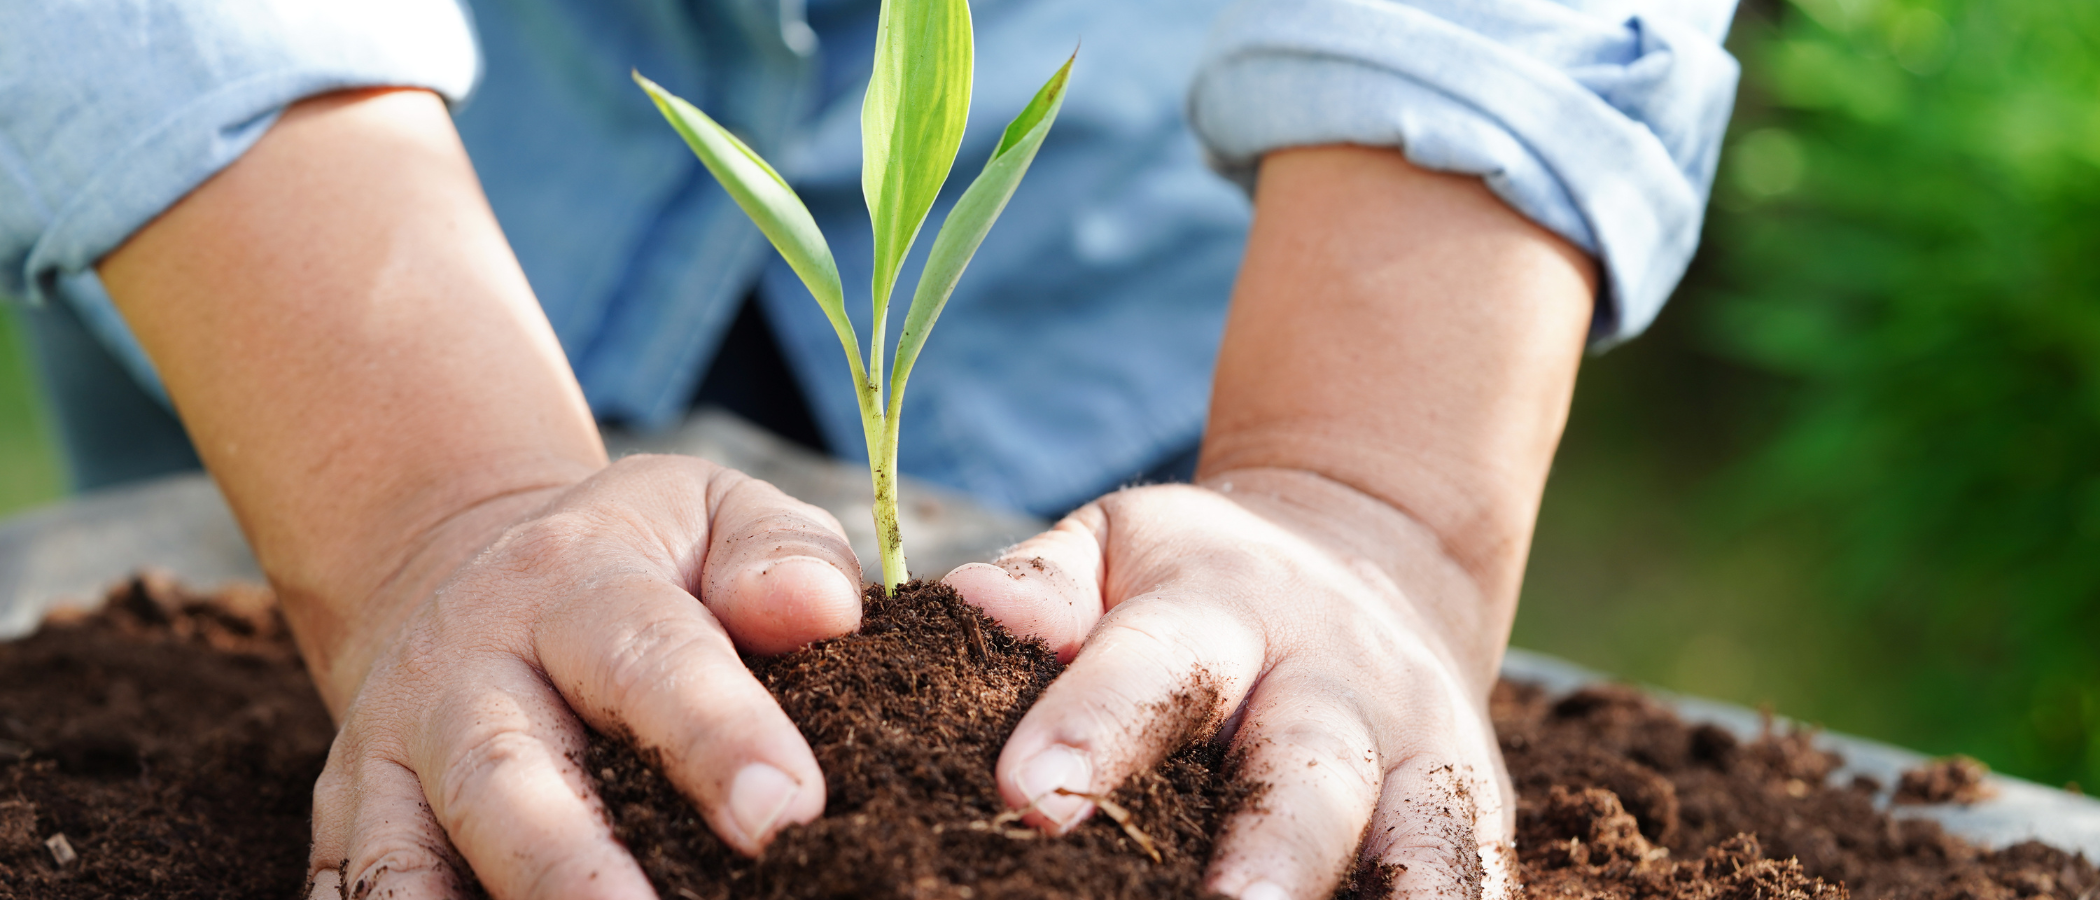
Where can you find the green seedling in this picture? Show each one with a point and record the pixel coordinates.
(911, 125)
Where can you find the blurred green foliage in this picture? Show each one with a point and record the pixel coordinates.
(29, 467)
(1892, 523)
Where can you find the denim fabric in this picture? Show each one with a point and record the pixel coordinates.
(111, 110)
(1077, 350)
(1599, 119)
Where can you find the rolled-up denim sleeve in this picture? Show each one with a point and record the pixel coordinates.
(112, 110)
(1601, 120)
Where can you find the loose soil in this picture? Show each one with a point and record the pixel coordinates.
(1618, 798)
(174, 743)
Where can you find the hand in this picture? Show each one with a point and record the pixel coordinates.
(1324, 631)
(362, 365)
(464, 734)
(1335, 592)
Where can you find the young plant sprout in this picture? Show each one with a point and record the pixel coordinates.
(911, 125)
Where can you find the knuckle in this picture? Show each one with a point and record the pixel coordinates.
(1332, 743)
(334, 781)
(523, 577)
(1148, 633)
(1107, 718)
(531, 546)
(478, 767)
(402, 864)
(656, 657)
(677, 478)
(388, 712)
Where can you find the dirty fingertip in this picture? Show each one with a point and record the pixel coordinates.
(1052, 783)
(326, 884)
(1025, 603)
(1264, 890)
(761, 800)
(781, 604)
(985, 586)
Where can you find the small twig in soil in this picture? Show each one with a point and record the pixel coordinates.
(1000, 821)
(1122, 816)
(978, 651)
(1114, 810)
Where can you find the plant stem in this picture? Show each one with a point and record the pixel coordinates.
(880, 431)
(889, 539)
(889, 535)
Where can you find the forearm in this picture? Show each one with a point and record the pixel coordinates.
(357, 357)
(1408, 335)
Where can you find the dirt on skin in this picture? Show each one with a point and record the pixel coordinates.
(174, 745)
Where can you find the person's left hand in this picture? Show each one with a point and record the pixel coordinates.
(1328, 636)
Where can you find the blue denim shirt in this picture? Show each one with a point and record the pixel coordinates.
(1077, 349)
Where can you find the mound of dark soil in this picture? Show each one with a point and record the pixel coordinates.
(174, 744)
(907, 718)
(1618, 798)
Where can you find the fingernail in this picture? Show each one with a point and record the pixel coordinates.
(808, 573)
(1058, 767)
(327, 885)
(1264, 890)
(758, 797)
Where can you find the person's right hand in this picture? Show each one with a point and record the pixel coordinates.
(361, 363)
(618, 603)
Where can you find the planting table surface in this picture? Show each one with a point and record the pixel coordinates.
(72, 552)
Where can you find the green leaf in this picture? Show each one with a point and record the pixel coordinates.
(911, 125)
(971, 220)
(770, 203)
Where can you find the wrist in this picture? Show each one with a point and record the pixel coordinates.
(343, 614)
(1406, 334)
(1387, 544)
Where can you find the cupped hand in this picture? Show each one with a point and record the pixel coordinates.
(1325, 634)
(619, 604)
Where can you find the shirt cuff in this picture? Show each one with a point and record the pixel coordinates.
(1604, 128)
(115, 110)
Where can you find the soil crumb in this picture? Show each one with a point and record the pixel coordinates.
(1956, 779)
(174, 743)
(907, 719)
(172, 739)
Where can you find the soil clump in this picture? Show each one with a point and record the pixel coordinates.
(1956, 779)
(174, 743)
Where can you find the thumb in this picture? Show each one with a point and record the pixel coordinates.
(1048, 586)
(778, 572)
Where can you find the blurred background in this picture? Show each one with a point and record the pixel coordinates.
(1854, 471)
